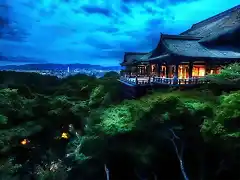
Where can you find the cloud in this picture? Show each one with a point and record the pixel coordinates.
(94, 31)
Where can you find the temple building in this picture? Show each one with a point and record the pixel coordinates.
(203, 49)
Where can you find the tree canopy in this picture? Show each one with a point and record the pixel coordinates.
(80, 128)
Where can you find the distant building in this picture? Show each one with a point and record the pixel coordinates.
(68, 69)
(202, 49)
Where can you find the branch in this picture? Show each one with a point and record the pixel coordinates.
(179, 155)
(83, 87)
(221, 168)
(155, 176)
(174, 135)
(71, 129)
(106, 171)
(138, 176)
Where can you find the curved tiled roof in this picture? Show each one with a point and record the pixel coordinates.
(225, 20)
(221, 32)
(146, 56)
(227, 36)
(190, 47)
(161, 57)
(132, 57)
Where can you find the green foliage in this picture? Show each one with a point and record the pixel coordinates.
(198, 109)
(96, 97)
(156, 108)
(230, 72)
(78, 86)
(111, 75)
(142, 155)
(116, 120)
(103, 129)
(229, 78)
(28, 83)
(10, 137)
(226, 120)
(8, 168)
(229, 108)
(15, 106)
(3, 119)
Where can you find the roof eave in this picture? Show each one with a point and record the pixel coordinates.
(161, 57)
(210, 57)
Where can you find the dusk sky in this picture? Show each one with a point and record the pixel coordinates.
(93, 31)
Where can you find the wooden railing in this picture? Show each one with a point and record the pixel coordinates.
(173, 81)
(161, 80)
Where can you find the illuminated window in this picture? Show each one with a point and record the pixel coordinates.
(171, 71)
(163, 73)
(218, 70)
(198, 70)
(201, 71)
(153, 68)
(183, 71)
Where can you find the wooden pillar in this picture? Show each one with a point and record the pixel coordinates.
(159, 69)
(176, 70)
(190, 69)
(167, 70)
(133, 70)
(207, 68)
(149, 69)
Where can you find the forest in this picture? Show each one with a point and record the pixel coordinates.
(80, 128)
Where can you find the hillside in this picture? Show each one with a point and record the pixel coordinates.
(80, 128)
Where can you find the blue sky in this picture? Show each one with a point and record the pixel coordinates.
(93, 31)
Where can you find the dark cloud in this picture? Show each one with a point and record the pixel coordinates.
(97, 33)
(125, 9)
(110, 53)
(108, 29)
(29, 4)
(155, 22)
(98, 43)
(9, 29)
(12, 32)
(96, 10)
(20, 59)
(136, 1)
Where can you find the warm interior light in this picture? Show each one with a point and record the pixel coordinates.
(201, 71)
(65, 135)
(183, 71)
(198, 71)
(218, 70)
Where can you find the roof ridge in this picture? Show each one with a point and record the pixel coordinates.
(212, 18)
(135, 53)
(219, 15)
(187, 37)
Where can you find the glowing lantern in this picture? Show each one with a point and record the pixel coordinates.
(24, 141)
(64, 135)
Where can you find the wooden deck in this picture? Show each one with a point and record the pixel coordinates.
(136, 87)
(146, 81)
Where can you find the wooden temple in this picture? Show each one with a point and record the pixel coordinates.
(185, 59)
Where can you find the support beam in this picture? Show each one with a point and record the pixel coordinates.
(167, 70)
(190, 69)
(159, 69)
(176, 70)
(148, 69)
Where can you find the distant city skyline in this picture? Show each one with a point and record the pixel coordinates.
(56, 31)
